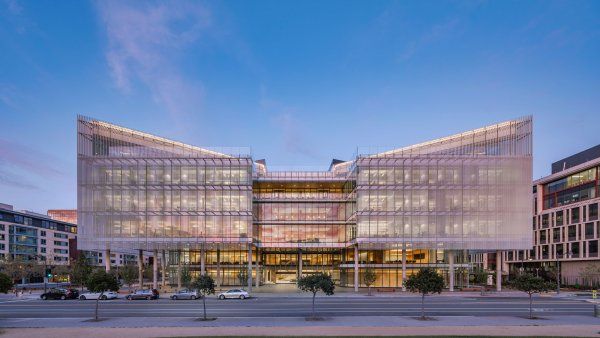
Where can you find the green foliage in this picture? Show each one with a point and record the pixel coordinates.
(425, 281)
(129, 273)
(480, 276)
(100, 281)
(531, 284)
(369, 277)
(243, 276)
(6, 283)
(317, 282)
(186, 277)
(80, 270)
(204, 284)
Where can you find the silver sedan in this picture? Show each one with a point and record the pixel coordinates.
(234, 293)
(185, 294)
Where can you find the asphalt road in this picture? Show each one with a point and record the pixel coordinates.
(297, 307)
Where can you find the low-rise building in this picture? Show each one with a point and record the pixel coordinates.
(30, 236)
(565, 223)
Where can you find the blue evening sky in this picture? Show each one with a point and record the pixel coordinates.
(300, 82)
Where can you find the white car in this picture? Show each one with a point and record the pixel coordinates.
(234, 293)
(96, 295)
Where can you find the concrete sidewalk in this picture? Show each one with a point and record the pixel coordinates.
(581, 326)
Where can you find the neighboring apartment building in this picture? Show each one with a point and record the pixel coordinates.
(65, 215)
(222, 213)
(565, 222)
(94, 257)
(31, 236)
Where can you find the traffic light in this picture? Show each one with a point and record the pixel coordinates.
(49, 273)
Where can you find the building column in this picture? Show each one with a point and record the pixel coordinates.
(356, 281)
(451, 270)
(249, 267)
(179, 269)
(258, 261)
(141, 268)
(202, 260)
(155, 269)
(498, 270)
(163, 265)
(107, 260)
(218, 267)
(403, 266)
(299, 264)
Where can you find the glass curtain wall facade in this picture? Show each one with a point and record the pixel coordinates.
(392, 211)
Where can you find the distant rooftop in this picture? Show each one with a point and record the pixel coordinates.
(577, 159)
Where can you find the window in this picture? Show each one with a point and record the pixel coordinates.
(43, 233)
(18, 219)
(556, 235)
(43, 250)
(589, 230)
(42, 241)
(543, 237)
(59, 243)
(574, 215)
(59, 235)
(593, 247)
(2, 227)
(559, 218)
(572, 232)
(575, 250)
(545, 221)
(61, 251)
(593, 212)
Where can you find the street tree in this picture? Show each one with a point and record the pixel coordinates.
(101, 281)
(425, 281)
(129, 273)
(186, 277)
(6, 283)
(369, 278)
(531, 284)
(480, 278)
(16, 267)
(315, 283)
(243, 276)
(206, 286)
(80, 270)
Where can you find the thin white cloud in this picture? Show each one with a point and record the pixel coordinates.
(19, 163)
(145, 40)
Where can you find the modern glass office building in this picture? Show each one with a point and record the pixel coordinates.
(219, 211)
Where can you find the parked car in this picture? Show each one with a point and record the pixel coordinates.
(97, 295)
(186, 294)
(234, 293)
(60, 294)
(143, 294)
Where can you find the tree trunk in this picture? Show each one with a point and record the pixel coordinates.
(97, 302)
(313, 304)
(369, 290)
(204, 305)
(423, 306)
(530, 306)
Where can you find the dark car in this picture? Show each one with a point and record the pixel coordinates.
(143, 294)
(60, 294)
